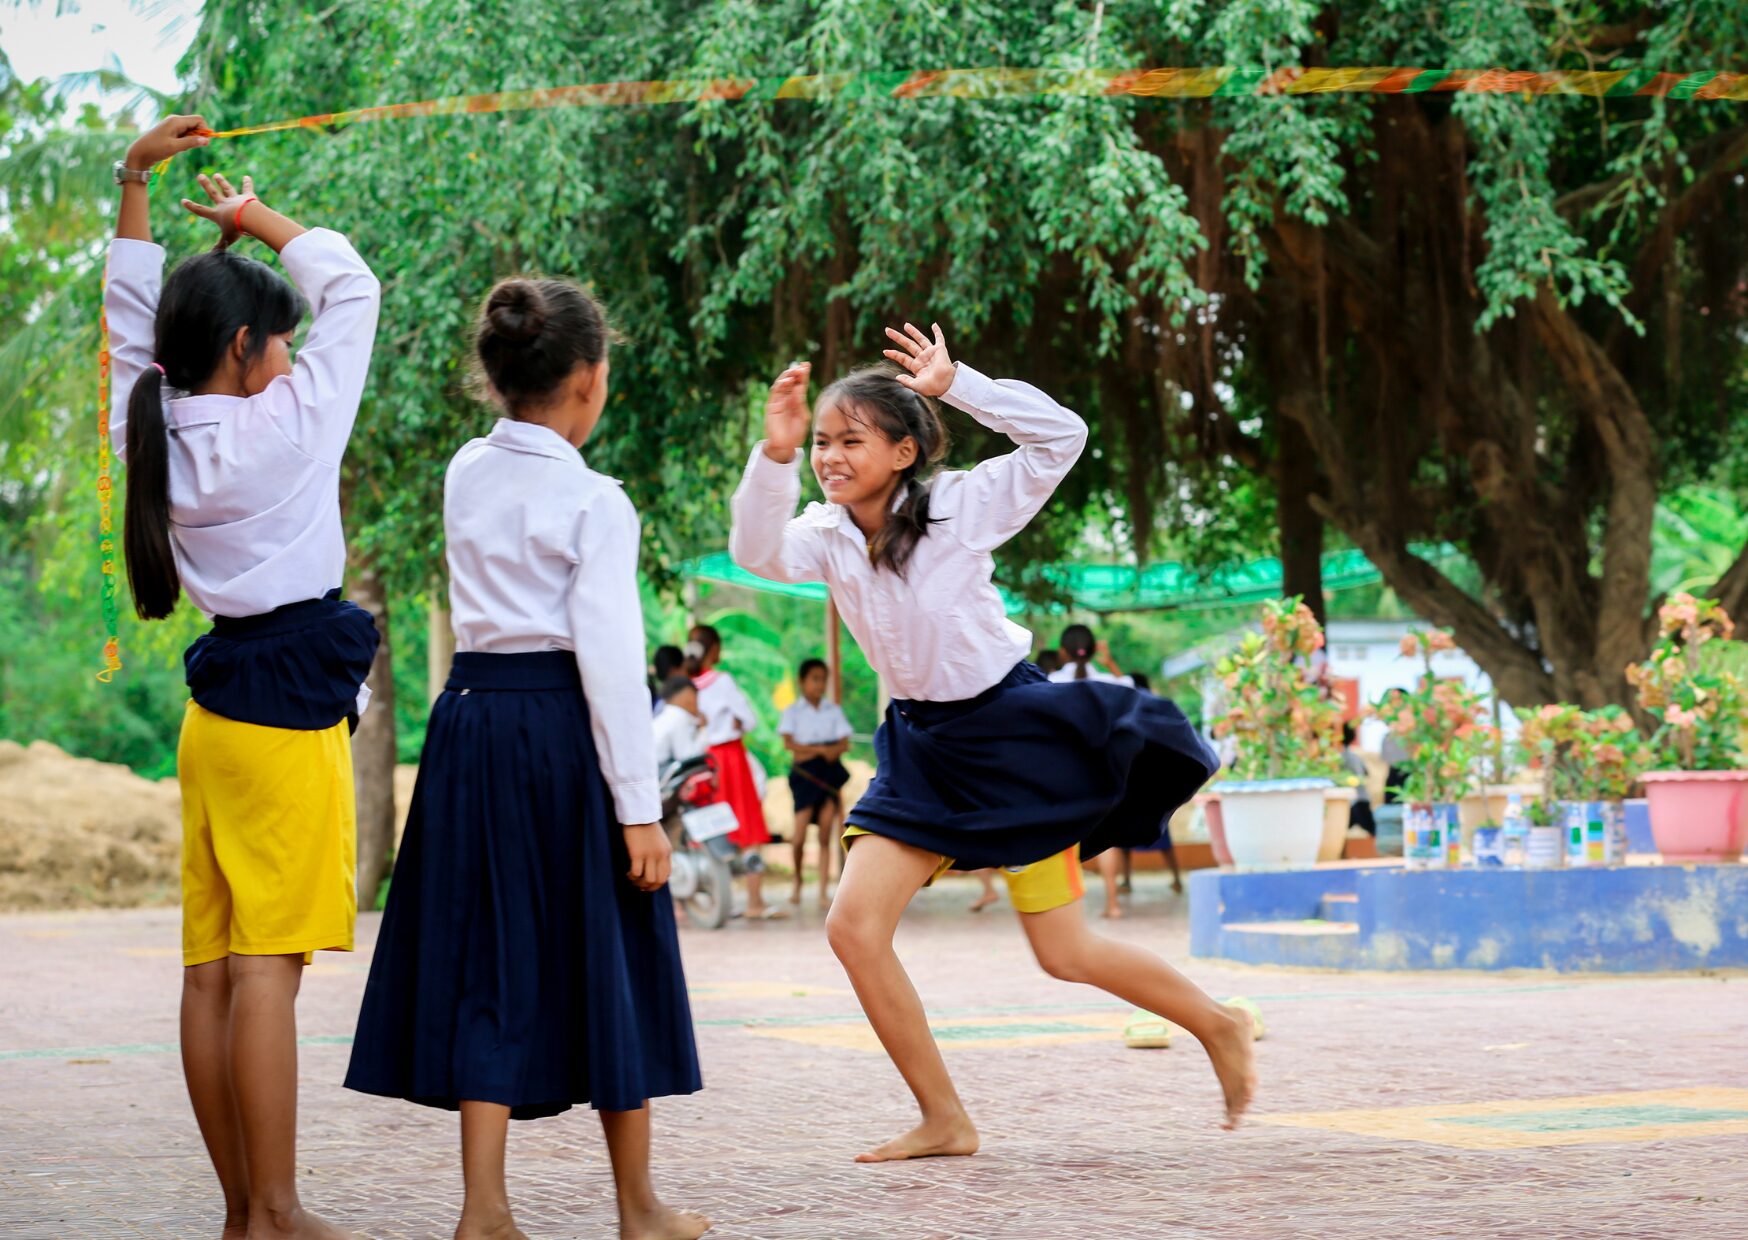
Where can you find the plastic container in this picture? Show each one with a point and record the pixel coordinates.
(1514, 835)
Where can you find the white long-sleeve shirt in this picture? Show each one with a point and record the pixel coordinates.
(255, 480)
(679, 734)
(939, 633)
(543, 556)
(1066, 675)
(728, 715)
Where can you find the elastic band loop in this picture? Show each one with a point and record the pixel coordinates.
(237, 219)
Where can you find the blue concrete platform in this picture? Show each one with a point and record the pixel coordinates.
(1635, 919)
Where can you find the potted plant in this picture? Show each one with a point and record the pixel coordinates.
(1288, 742)
(1590, 761)
(1696, 684)
(1443, 726)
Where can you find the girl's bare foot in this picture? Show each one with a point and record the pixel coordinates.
(489, 1224)
(658, 1222)
(929, 1139)
(795, 895)
(296, 1224)
(1113, 912)
(983, 901)
(1234, 1058)
(235, 1230)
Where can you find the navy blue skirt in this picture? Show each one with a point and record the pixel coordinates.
(1028, 768)
(298, 666)
(516, 963)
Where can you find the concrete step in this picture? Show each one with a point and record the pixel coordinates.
(1339, 906)
(1313, 943)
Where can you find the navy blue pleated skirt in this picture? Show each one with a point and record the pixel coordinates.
(298, 666)
(1028, 768)
(516, 963)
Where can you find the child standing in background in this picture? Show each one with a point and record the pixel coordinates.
(817, 735)
(233, 458)
(527, 960)
(728, 717)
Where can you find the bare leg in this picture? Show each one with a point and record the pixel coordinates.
(880, 877)
(485, 1210)
(641, 1215)
(264, 1076)
(830, 834)
(1109, 864)
(1068, 950)
(988, 896)
(1128, 883)
(757, 909)
(206, 1065)
(803, 818)
(1177, 878)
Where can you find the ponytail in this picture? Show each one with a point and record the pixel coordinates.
(204, 303)
(151, 565)
(1078, 643)
(874, 397)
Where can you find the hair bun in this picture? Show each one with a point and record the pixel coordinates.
(516, 311)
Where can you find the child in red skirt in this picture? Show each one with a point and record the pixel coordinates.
(727, 718)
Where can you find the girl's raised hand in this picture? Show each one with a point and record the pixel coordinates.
(931, 370)
(170, 136)
(227, 205)
(786, 413)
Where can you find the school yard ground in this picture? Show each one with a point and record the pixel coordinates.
(1404, 1105)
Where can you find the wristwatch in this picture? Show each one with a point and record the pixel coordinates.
(124, 174)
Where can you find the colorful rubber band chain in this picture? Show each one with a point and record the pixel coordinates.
(1001, 83)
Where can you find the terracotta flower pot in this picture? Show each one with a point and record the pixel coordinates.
(1699, 815)
(1212, 815)
(1337, 810)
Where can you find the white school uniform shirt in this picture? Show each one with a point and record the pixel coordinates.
(543, 556)
(1065, 675)
(722, 704)
(679, 734)
(807, 724)
(939, 633)
(255, 480)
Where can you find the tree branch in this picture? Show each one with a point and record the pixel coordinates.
(1732, 588)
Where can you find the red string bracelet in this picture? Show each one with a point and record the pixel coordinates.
(237, 219)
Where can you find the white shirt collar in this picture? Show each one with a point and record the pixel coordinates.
(532, 438)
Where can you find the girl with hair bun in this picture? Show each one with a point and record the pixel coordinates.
(528, 960)
(981, 761)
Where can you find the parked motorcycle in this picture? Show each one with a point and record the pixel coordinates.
(698, 825)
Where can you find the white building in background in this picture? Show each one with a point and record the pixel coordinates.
(1369, 653)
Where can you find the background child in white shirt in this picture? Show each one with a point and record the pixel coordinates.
(817, 735)
(679, 725)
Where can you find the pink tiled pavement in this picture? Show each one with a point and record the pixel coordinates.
(1082, 1138)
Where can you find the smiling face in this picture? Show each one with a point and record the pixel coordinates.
(853, 459)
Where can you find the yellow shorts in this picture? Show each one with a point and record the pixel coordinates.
(1037, 888)
(269, 839)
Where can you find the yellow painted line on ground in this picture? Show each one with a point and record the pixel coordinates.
(1524, 1123)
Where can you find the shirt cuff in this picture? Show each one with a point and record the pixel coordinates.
(972, 391)
(769, 475)
(637, 802)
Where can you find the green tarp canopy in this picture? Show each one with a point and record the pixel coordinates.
(1106, 588)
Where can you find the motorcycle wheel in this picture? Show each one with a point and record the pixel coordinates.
(709, 904)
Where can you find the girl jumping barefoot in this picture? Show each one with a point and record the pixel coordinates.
(527, 960)
(982, 762)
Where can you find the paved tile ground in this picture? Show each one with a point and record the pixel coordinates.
(1392, 1106)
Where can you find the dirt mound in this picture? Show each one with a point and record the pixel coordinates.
(75, 833)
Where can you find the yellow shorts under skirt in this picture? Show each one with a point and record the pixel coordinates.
(1037, 888)
(269, 839)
